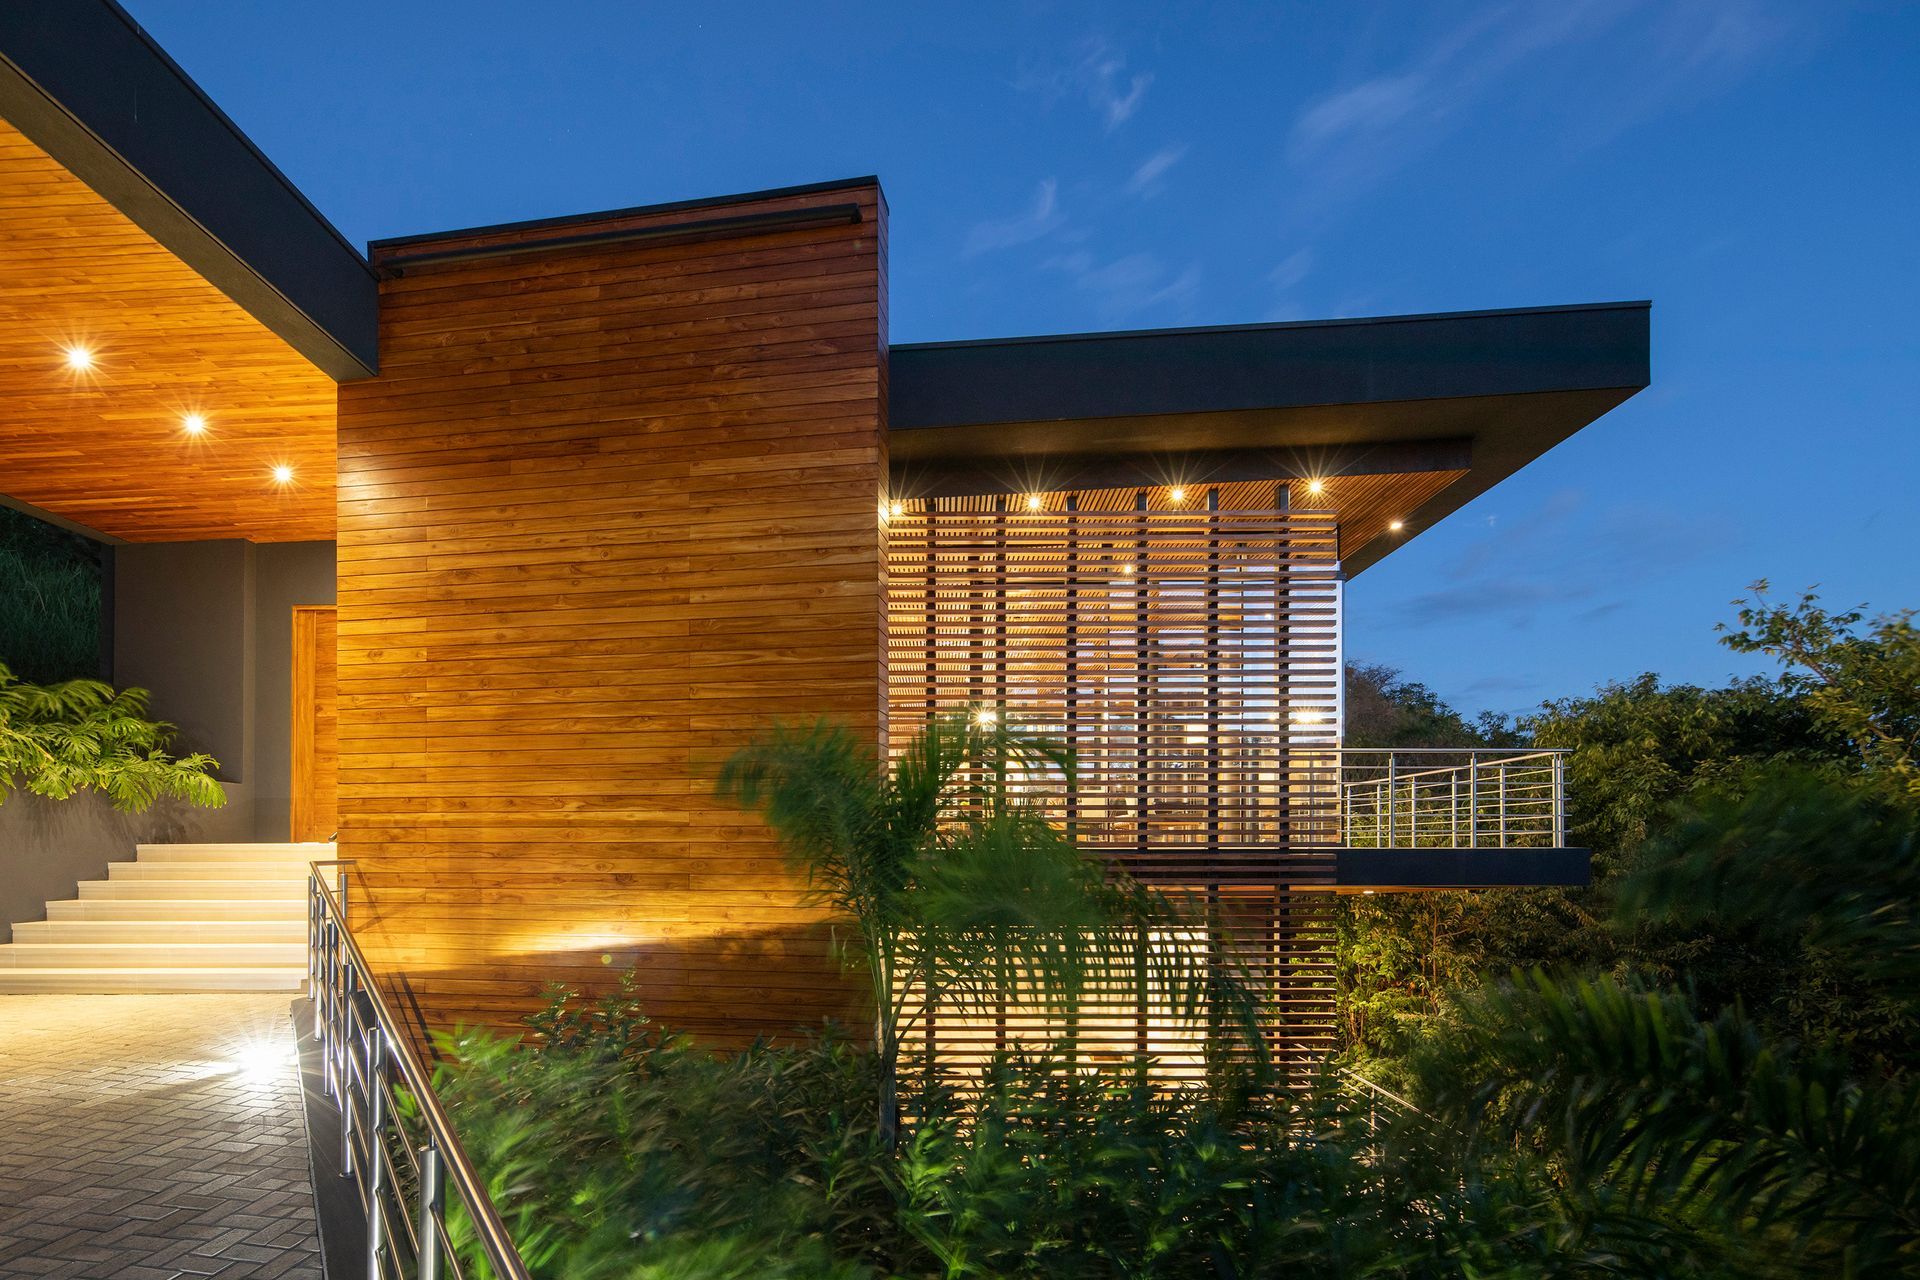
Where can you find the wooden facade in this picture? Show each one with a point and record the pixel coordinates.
(611, 505)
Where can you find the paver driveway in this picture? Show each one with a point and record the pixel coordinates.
(152, 1137)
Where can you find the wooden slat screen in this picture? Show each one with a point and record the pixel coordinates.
(1186, 646)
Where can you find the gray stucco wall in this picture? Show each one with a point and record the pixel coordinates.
(207, 627)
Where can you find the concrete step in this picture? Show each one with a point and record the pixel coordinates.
(282, 890)
(153, 955)
(296, 853)
(186, 929)
(178, 910)
(17, 981)
(292, 873)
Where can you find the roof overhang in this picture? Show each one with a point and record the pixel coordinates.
(90, 88)
(1485, 392)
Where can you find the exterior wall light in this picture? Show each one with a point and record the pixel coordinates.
(1176, 494)
(79, 358)
(194, 424)
(282, 474)
(1316, 487)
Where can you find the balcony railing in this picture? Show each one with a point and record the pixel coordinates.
(407, 1175)
(1415, 798)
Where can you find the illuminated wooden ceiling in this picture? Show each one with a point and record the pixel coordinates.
(106, 448)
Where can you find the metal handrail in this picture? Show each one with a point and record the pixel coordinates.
(1487, 797)
(365, 1053)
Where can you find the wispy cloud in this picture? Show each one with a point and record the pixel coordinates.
(1146, 178)
(1129, 286)
(1369, 126)
(1024, 228)
(1098, 76)
(1566, 556)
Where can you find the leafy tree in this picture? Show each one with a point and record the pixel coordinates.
(961, 893)
(1864, 687)
(59, 739)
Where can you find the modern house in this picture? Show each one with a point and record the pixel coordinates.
(483, 547)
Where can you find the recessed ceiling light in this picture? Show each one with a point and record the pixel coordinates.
(194, 424)
(79, 358)
(1395, 525)
(282, 474)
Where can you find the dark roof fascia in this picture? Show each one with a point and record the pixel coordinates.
(93, 90)
(975, 416)
(617, 215)
(1461, 868)
(1268, 366)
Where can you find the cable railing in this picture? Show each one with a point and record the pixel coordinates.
(1453, 798)
(402, 1171)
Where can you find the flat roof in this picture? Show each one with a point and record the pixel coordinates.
(1487, 391)
(85, 83)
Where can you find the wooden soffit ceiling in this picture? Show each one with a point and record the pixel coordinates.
(107, 447)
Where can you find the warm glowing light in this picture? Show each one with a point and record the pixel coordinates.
(1316, 487)
(1307, 717)
(986, 717)
(79, 358)
(258, 1061)
(283, 474)
(1033, 502)
(1395, 525)
(1177, 494)
(194, 424)
(896, 509)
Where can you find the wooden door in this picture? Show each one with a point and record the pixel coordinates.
(316, 753)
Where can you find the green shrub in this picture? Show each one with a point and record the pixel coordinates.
(81, 734)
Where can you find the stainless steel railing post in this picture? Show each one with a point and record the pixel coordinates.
(376, 1119)
(1559, 800)
(1393, 779)
(346, 1073)
(433, 1194)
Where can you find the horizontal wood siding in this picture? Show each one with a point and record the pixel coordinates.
(607, 511)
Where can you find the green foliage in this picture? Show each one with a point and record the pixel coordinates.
(1795, 899)
(950, 873)
(614, 1148)
(1721, 1146)
(63, 738)
(49, 600)
(1862, 686)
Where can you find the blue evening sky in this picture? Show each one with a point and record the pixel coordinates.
(1751, 166)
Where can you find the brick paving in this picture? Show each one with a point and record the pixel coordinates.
(152, 1137)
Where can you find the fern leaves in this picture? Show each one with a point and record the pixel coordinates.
(60, 739)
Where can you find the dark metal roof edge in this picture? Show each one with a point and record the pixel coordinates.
(240, 135)
(71, 120)
(633, 211)
(1274, 326)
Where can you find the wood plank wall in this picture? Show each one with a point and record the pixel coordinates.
(606, 511)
